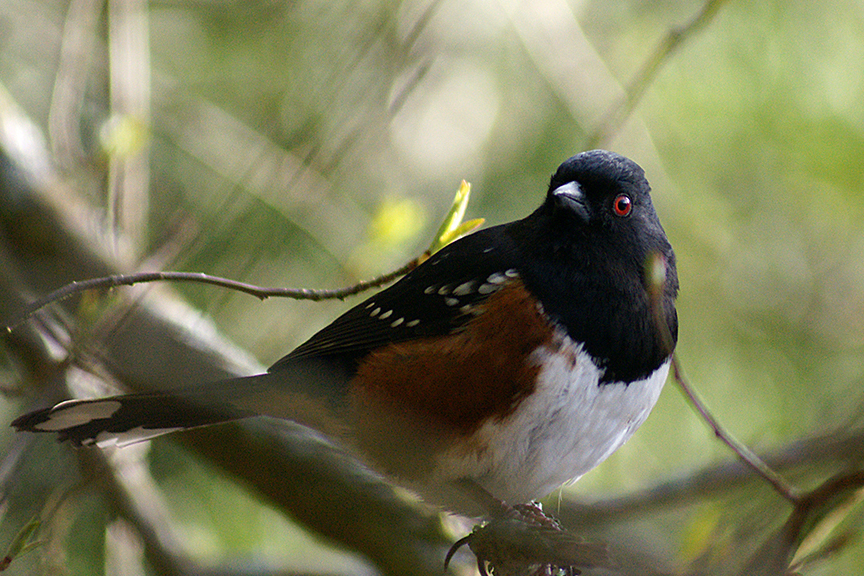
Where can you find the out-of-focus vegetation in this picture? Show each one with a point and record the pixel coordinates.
(312, 143)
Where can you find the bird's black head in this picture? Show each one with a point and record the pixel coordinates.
(605, 197)
(586, 252)
(599, 207)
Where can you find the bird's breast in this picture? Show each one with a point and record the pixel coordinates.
(570, 424)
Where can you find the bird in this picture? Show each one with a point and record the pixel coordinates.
(514, 360)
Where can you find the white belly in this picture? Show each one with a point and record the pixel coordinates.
(569, 425)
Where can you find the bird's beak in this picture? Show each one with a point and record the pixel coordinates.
(571, 196)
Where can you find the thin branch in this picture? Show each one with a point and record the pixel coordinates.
(108, 282)
(749, 457)
(656, 267)
(713, 481)
(775, 554)
(621, 111)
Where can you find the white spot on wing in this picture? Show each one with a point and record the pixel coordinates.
(375, 312)
(77, 412)
(396, 323)
(412, 323)
(122, 439)
(451, 301)
(465, 288)
(386, 315)
(496, 278)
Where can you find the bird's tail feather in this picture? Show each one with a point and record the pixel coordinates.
(131, 418)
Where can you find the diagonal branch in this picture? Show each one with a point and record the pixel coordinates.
(749, 457)
(633, 92)
(655, 269)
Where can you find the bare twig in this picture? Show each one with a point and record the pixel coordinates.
(775, 554)
(714, 481)
(108, 282)
(620, 111)
(656, 274)
(824, 497)
(749, 457)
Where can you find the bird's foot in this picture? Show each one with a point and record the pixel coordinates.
(523, 541)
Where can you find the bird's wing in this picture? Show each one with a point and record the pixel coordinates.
(434, 299)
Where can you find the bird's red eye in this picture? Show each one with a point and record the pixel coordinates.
(622, 206)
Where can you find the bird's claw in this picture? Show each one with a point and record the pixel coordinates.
(524, 541)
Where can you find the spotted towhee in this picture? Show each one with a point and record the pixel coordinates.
(515, 359)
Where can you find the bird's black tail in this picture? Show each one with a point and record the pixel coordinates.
(130, 418)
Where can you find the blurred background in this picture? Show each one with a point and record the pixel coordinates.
(313, 144)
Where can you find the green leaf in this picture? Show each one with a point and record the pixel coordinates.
(452, 228)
